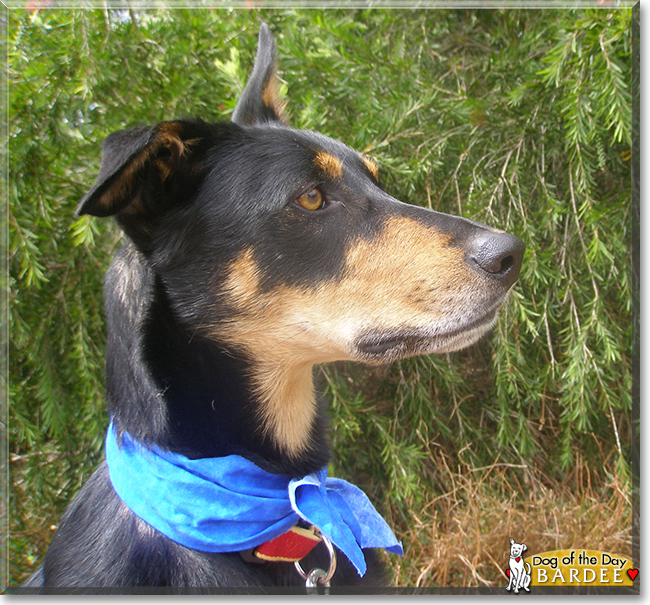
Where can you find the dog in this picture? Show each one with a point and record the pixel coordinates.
(519, 576)
(253, 252)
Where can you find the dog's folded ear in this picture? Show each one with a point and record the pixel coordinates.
(130, 158)
(260, 101)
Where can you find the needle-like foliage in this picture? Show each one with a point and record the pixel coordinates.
(520, 119)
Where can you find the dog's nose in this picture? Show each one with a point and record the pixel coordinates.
(498, 254)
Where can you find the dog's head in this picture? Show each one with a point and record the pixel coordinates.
(282, 244)
(516, 549)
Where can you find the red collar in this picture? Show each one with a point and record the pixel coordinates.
(291, 546)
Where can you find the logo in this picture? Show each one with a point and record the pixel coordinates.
(574, 567)
(518, 570)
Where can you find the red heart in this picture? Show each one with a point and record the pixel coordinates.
(518, 559)
(508, 572)
(633, 573)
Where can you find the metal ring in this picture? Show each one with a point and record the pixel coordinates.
(331, 569)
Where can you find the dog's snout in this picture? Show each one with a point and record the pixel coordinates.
(499, 255)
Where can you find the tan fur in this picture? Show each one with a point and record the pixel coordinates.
(243, 280)
(330, 165)
(408, 276)
(371, 166)
(281, 376)
(271, 98)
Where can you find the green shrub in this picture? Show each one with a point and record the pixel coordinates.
(520, 119)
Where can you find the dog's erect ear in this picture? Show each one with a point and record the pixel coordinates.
(260, 101)
(511, 541)
(129, 157)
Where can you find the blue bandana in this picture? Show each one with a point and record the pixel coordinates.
(229, 504)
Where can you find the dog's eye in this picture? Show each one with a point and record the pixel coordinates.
(312, 200)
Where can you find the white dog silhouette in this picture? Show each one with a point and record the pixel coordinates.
(519, 577)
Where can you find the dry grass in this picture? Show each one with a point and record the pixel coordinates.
(461, 538)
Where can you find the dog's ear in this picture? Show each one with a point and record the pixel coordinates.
(260, 101)
(145, 172)
(130, 158)
(511, 541)
(524, 547)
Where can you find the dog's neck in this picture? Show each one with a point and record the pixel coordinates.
(184, 392)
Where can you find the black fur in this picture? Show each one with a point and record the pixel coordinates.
(191, 198)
